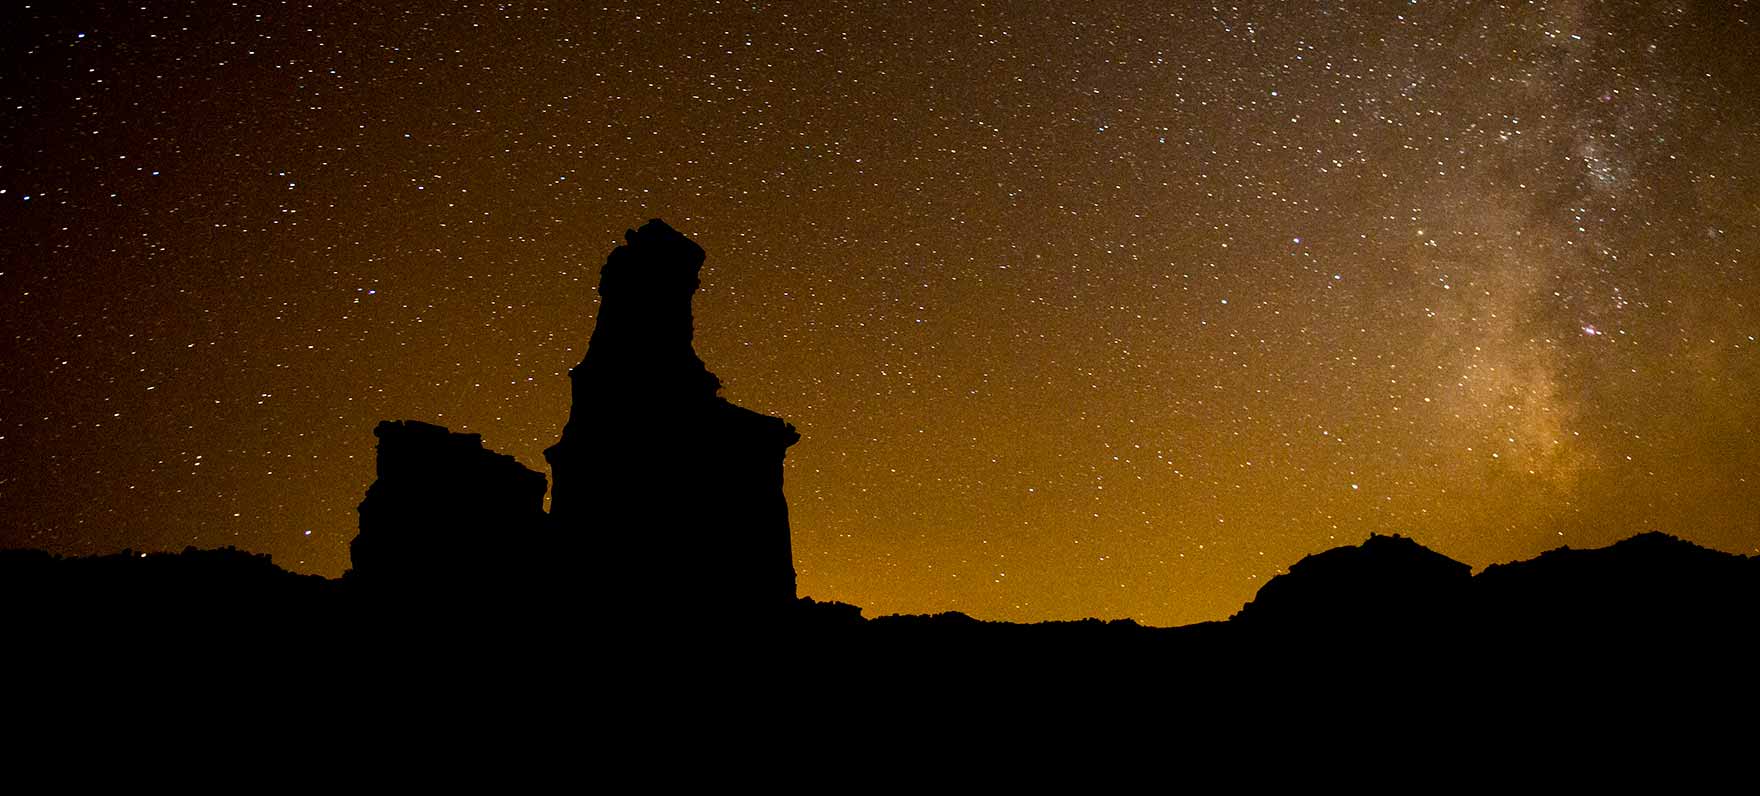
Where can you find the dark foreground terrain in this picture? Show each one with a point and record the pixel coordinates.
(1385, 645)
(1649, 604)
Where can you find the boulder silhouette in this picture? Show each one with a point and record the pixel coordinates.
(671, 494)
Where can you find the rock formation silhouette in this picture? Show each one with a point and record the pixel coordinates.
(446, 517)
(668, 503)
(674, 492)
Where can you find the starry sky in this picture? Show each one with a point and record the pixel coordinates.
(1108, 309)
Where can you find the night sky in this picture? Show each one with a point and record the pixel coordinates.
(1082, 309)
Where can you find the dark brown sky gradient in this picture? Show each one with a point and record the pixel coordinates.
(1082, 309)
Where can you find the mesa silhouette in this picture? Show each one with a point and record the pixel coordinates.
(457, 558)
(667, 503)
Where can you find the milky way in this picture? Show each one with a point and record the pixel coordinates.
(1096, 309)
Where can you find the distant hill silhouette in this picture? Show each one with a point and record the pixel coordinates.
(196, 597)
(1651, 594)
(1388, 584)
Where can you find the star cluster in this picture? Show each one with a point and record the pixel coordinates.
(1093, 309)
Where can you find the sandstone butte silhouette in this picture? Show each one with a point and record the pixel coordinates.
(679, 490)
(667, 500)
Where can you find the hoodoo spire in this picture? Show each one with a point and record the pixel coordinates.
(671, 491)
